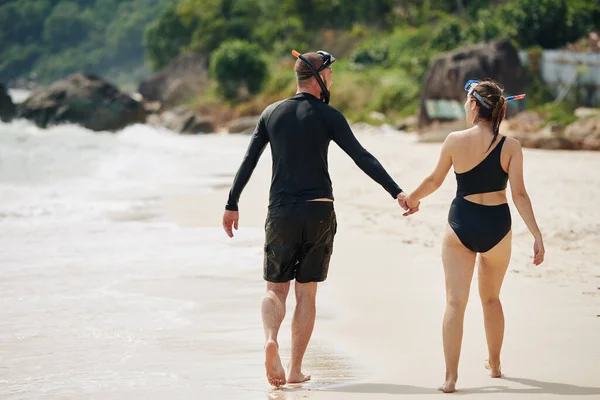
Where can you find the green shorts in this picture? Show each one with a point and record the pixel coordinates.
(299, 242)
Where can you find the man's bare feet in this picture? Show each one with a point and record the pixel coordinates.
(448, 387)
(273, 367)
(495, 372)
(297, 377)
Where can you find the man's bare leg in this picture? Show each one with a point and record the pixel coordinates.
(273, 312)
(302, 328)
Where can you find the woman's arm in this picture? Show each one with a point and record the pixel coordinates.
(517, 187)
(436, 178)
(521, 198)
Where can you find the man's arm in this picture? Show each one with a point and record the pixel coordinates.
(255, 149)
(344, 137)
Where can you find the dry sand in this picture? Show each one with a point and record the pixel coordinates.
(378, 330)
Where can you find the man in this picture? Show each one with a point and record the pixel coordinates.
(301, 222)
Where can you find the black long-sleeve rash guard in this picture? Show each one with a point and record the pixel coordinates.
(299, 130)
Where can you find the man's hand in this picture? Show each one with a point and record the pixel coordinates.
(230, 222)
(401, 200)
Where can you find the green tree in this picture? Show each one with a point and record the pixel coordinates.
(65, 27)
(549, 23)
(237, 65)
(217, 21)
(165, 38)
(55, 37)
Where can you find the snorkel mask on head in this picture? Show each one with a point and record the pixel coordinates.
(470, 89)
(327, 59)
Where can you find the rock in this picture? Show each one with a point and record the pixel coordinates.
(83, 99)
(591, 143)
(183, 78)
(448, 74)
(583, 134)
(244, 125)
(526, 122)
(584, 112)
(200, 125)
(554, 130)
(554, 143)
(154, 120)
(526, 141)
(407, 124)
(151, 107)
(584, 128)
(527, 128)
(181, 120)
(8, 110)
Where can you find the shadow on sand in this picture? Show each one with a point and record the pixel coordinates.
(535, 387)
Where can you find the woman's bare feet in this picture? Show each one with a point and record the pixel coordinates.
(273, 367)
(297, 377)
(495, 371)
(450, 385)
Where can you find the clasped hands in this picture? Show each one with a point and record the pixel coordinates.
(410, 205)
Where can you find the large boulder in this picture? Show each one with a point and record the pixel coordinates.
(7, 107)
(83, 99)
(183, 78)
(448, 74)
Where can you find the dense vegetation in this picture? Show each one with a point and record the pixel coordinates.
(53, 38)
(278, 25)
(384, 46)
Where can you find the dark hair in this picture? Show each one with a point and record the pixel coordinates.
(492, 91)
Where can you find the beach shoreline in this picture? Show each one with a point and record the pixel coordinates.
(134, 290)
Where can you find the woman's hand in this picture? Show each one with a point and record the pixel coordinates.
(413, 206)
(411, 203)
(538, 251)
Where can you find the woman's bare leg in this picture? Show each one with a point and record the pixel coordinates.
(492, 269)
(459, 263)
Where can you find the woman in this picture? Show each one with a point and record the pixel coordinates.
(479, 220)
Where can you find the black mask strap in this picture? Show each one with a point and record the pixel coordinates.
(325, 96)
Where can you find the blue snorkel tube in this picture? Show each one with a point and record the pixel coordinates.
(470, 89)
